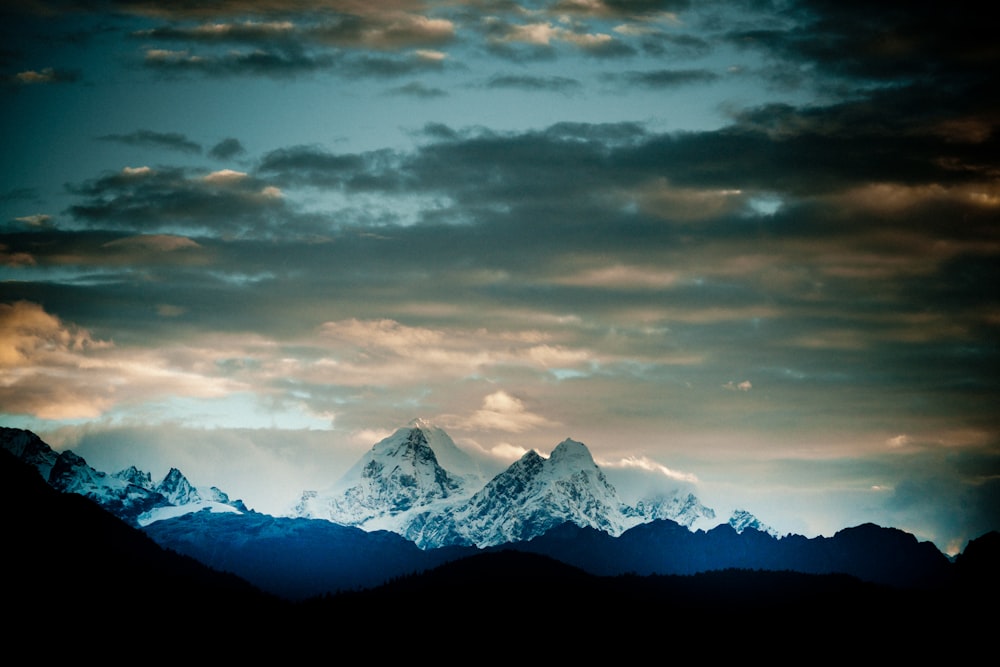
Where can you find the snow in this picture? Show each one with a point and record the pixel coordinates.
(172, 511)
(419, 484)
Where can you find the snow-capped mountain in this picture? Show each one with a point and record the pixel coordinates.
(397, 478)
(741, 520)
(129, 494)
(533, 495)
(685, 509)
(419, 484)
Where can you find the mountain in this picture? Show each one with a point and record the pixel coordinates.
(741, 520)
(528, 498)
(128, 494)
(80, 577)
(683, 508)
(398, 477)
(886, 556)
(295, 558)
(729, 614)
(75, 576)
(419, 484)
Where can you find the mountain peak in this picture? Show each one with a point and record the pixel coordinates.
(421, 423)
(133, 475)
(742, 520)
(177, 489)
(571, 451)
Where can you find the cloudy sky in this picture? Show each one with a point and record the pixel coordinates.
(749, 246)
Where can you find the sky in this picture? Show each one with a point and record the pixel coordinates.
(743, 247)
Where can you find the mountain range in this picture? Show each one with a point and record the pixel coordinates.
(560, 508)
(419, 484)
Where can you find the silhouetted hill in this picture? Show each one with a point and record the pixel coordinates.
(296, 558)
(868, 552)
(72, 570)
(730, 613)
(978, 566)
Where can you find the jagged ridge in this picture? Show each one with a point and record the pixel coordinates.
(399, 486)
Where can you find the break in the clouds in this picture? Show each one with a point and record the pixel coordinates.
(747, 249)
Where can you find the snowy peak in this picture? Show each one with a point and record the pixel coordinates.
(572, 454)
(685, 509)
(133, 475)
(28, 447)
(407, 483)
(177, 489)
(400, 474)
(405, 460)
(450, 456)
(128, 494)
(741, 520)
(532, 496)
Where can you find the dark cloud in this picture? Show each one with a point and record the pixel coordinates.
(171, 140)
(659, 43)
(290, 62)
(227, 148)
(313, 165)
(558, 84)
(174, 200)
(775, 149)
(419, 90)
(245, 32)
(665, 78)
(389, 66)
(389, 31)
(621, 8)
(196, 9)
(893, 41)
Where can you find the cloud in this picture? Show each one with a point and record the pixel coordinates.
(15, 259)
(178, 201)
(44, 361)
(227, 149)
(647, 464)
(387, 30)
(738, 386)
(558, 84)
(38, 220)
(622, 8)
(59, 371)
(893, 42)
(664, 78)
(539, 39)
(390, 31)
(289, 62)
(153, 242)
(503, 412)
(47, 75)
(419, 90)
(898, 440)
(170, 140)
